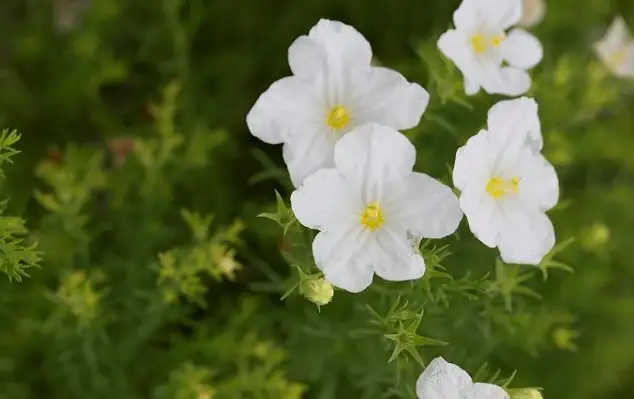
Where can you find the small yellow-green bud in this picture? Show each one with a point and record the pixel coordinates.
(527, 393)
(596, 236)
(318, 291)
(564, 338)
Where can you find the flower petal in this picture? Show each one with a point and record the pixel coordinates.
(539, 185)
(307, 154)
(442, 380)
(482, 214)
(342, 44)
(306, 58)
(471, 87)
(521, 49)
(617, 34)
(454, 45)
(473, 161)
(426, 208)
(387, 98)
(526, 235)
(499, 15)
(374, 155)
(341, 255)
(395, 257)
(325, 200)
(518, 117)
(509, 81)
(625, 69)
(284, 110)
(486, 391)
(467, 16)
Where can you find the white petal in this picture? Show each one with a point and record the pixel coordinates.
(325, 200)
(387, 98)
(341, 255)
(426, 208)
(306, 58)
(483, 215)
(454, 45)
(499, 15)
(467, 16)
(539, 185)
(485, 391)
(617, 34)
(521, 49)
(342, 43)
(283, 110)
(509, 81)
(304, 155)
(516, 118)
(442, 380)
(374, 155)
(626, 68)
(395, 256)
(526, 235)
(471, 87)
(474, 161)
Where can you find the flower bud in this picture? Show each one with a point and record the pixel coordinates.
(318, 291)
(532, 12)
(527, 393)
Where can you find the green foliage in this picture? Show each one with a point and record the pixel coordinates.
(141, 186)
(15, 256)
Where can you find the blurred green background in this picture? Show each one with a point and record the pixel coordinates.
(133, 110)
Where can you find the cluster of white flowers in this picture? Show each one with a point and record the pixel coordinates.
(339, 116)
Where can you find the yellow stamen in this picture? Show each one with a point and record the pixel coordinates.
(338, 117)
(372, 217)
(479, 43)
(497, 187)
(497, 40)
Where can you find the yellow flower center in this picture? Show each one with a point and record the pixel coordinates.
(372, 217)
(338, 117)
(617, 58)
(497, 187)
(480, 43)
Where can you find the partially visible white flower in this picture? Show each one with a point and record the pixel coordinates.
(444, 380)
(479, 45)
(334, 88)
(372, 210)
(616, 49)
(507, 186)
(532, 13)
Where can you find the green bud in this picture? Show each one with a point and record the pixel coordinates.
(318, 291)
(526, 393)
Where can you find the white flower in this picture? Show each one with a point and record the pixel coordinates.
(507, 185)
(616, 49)
(334, 88)
(372, 210)
(479, 45)
(443, 380)
(532, 13)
